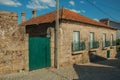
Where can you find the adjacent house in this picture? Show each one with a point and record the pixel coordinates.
(113, 24)
(80, 39)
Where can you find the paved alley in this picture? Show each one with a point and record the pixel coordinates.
(103, 70)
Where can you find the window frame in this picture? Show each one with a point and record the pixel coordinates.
(104, 40)
(76, 41)
(111, 40)
(91, 42)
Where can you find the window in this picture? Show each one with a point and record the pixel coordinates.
(76, 36)
(76, 41)
(104, 39)
(111, 40)
(91, 39)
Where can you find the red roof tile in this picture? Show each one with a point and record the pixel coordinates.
(64, 14)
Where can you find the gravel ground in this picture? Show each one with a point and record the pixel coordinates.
(103, 70)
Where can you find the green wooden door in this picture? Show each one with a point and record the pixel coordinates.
(108, 54)
(39, 53)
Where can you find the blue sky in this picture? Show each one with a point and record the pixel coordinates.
(110, 8)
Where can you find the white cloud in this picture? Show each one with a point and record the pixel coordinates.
(82, 2)
(41, 4)
(13, 3)
(74, 10)
(83, 11)
(94, 2)
(72, 3)
(96, 19)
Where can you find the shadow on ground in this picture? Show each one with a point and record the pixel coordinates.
(117, 55)
(86, 72)
(95, 58)
(104, 61)
(112, 62)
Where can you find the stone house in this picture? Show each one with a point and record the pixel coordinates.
(30, 45)
(81, 39)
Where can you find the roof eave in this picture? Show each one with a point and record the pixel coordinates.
(92, 24)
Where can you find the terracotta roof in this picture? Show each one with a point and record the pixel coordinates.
(66, 15)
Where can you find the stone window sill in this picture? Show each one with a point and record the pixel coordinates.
(117, 45)
(112, 47)
(93, 50)
(77, 52)
(104, 48)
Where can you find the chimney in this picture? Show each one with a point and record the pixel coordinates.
(33, 13)
(23, 16)
(105, 21)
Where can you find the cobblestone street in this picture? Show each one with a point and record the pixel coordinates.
(103, 70)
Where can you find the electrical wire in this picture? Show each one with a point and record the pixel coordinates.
(102, 11)
(109, 7)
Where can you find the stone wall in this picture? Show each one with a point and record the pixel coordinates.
(8, 23)
(13, 44)
(52, 45)
(65, 42)
(12, 61)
